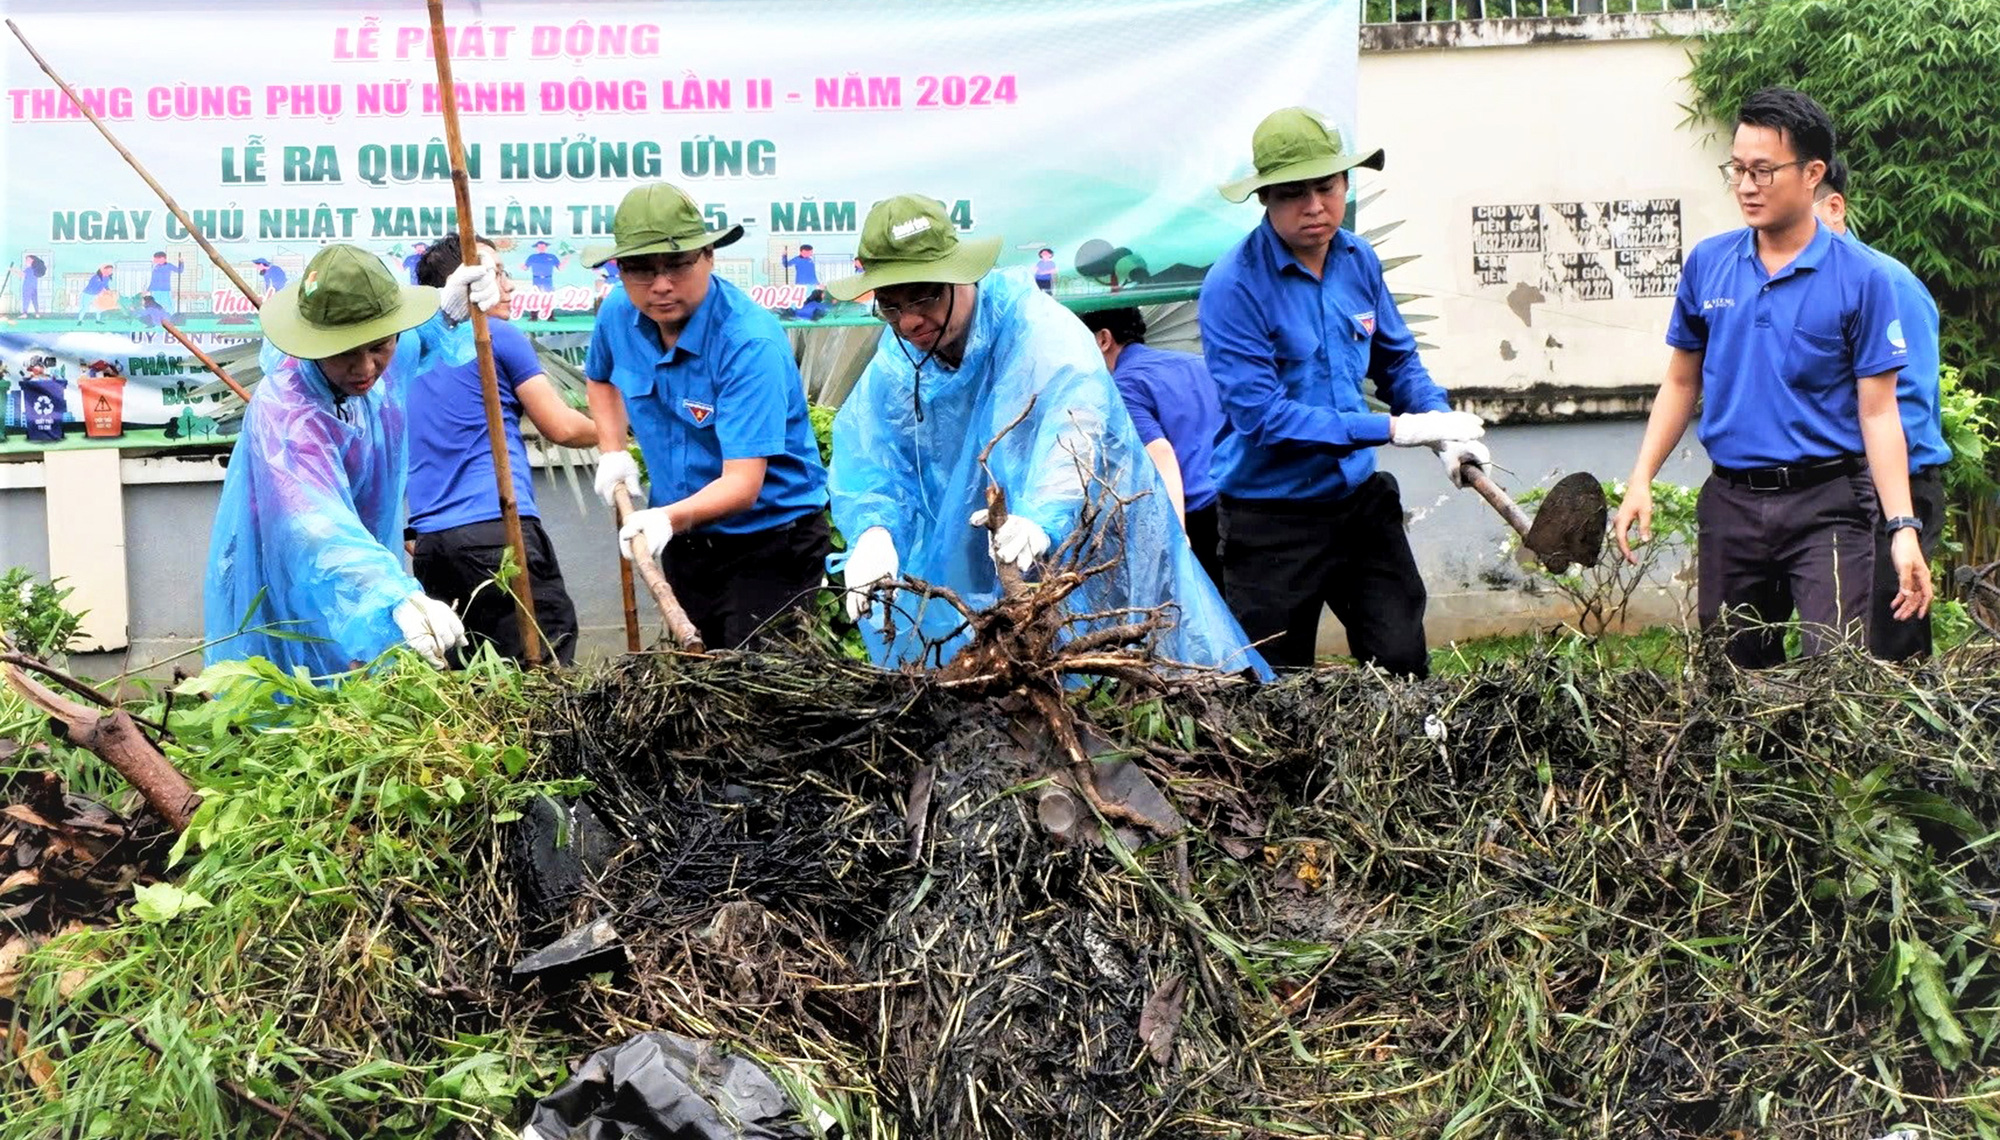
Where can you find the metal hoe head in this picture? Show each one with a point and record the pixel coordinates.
(1569, 527)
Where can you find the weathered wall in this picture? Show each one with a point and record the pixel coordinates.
(1548, 187)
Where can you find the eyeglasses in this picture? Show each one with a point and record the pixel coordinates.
(890, 314)
(644, 272)
(1759, 175)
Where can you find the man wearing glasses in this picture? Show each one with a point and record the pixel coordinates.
(1790, 340)
(706, 380)
(972, 356)
(1293, 319)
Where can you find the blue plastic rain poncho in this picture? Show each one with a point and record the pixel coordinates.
(906, 457)
(311, 516)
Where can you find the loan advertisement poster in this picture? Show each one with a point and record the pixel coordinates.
(1090, 137)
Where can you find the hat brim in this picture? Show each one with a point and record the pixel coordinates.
(966, 264)
(713, 238)
(1310, 171)
(300, 339)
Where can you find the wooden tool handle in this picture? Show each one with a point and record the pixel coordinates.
(1474, 476)
(679, 627)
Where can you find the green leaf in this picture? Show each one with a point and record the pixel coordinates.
(164, 902)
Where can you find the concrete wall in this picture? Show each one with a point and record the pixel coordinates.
(1548, 188)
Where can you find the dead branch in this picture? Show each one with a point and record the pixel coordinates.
(115, 738)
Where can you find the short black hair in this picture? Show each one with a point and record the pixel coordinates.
(1046, 250)
(1835, 181)
(440, 259)
(804, 246)
(1125, 325)
(1797, 116)
(159, 253)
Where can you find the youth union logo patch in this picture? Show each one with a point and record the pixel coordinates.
(1896, 334)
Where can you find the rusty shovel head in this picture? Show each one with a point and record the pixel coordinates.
(1569, 527)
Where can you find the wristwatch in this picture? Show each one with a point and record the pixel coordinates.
(1903, 522)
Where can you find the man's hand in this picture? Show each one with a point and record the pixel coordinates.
(1018, 541)
(1419, 429)
(429, 627)
(652, 524)
(870, 562)
(1913, 576)
(1456, 453)
(1637, 506)
(614, 468)
(469, 285)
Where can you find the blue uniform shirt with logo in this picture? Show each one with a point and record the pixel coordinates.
(1172, 397)
(1289, 353)
(805, 271)
(1782, 351)
(451, 462)
(542, 266)
(729, 389)
(1917, 383)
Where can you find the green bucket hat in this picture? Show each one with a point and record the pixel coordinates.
(345, 299)
(659, 219)
(908, 239)
(1296, 145)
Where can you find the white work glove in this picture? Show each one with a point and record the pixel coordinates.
(477, 283)
(1456, 453)
(613, 468)
(870, 561)
(429, 627)
(652, 524)
(1018, 541)
(1418, 429)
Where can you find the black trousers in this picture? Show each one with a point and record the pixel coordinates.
(1888, 638)
(1763, 553)
(458, 566)
(1281, 561)
(1205, 535)
(735, 587)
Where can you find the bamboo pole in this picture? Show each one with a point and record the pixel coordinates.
(679, 626)
(489, 381)
(632, 642)
(207, 361)
(256, 302)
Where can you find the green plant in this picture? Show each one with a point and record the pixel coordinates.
(1603, 593)
(1972, 431)
(1908, 83)
(33, 614)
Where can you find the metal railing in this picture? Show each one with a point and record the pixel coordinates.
(1440, 11)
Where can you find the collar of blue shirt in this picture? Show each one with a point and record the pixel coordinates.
(1808, 258)
(1278, 257)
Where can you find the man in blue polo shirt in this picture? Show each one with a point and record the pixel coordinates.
(415, 259)
(1790, 340)
(805, 271)
(1172, 400)
(706, 380)
(1923, 429)
(454, 507)
(1293, 319)
(542, 265)
(161, 283)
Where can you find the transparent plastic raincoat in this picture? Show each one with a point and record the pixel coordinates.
(906, 457)
(309, 530)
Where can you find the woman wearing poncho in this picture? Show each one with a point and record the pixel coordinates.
(304, 563)
(965, 351)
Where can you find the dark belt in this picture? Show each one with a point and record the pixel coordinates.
(1793, 478)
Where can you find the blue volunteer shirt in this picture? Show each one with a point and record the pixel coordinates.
(274, 278)
(1172, 397)
(1782, 352)
(729, 389)
(1917, 383)
(410, 267)
(162, 280)
(451, 461)
(1289, 353)
(542, 268)
(805, 271)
